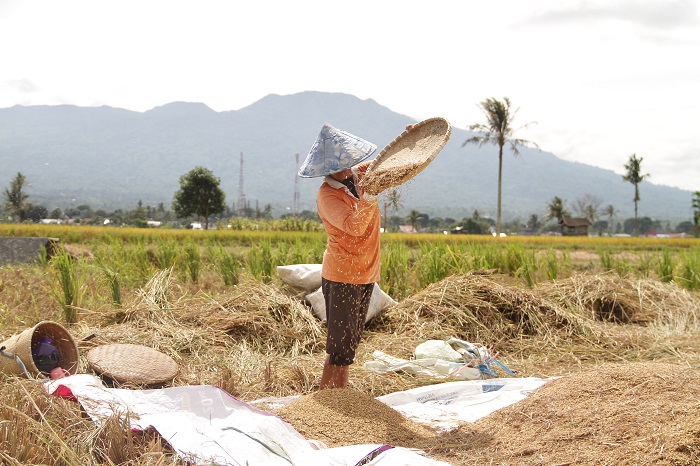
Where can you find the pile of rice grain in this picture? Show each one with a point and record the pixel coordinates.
(343, 416)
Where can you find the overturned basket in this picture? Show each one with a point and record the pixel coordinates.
(136, 364)
(407, 155)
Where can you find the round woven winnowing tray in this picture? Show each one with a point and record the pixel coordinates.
(407, 155)
(127, 363)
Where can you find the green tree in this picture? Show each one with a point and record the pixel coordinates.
(533, 223)
(696, 212)
(557, 209)
(634, 176)
(393, 200)
(139, 217)
(16, 197)
(686, 227)
(35, 212)
(498, 130)
(199, 194)
(469, 226)
(641, 225)
(413, 218)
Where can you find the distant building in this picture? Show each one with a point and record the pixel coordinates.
(571, 226)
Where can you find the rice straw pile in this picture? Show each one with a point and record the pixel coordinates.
(478, 307)
(607, 297)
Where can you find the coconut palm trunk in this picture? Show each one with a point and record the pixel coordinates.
(498, 130)
(500, 184)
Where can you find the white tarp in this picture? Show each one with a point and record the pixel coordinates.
(446, 404)
(206, 425)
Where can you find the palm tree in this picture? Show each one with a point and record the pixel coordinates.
(393, 200)
(533, 223)
(498, 130)
(413, 218)
(610, 211)
(557, 209)
(634, 176)
(696, 212)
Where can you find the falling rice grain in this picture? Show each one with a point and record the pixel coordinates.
(380, 180)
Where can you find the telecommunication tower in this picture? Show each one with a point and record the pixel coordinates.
(241, 193)
(296, 186)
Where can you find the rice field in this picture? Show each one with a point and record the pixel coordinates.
(213, 302)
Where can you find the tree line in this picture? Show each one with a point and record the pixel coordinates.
(200, 199)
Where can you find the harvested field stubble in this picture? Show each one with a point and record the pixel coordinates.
(257, 340)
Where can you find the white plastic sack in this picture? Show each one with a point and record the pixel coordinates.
(377, 303)
(439, 349)
(304, 276)
(430, 367)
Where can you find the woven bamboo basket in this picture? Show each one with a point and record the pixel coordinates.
(136, 364)
(407, 155)
(20, 347)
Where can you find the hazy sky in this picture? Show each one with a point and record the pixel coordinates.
(603, 79)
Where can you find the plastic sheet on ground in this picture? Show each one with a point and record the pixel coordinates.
(445, 405)
(206, 425)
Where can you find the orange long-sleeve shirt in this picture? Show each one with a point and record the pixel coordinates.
(352, 225)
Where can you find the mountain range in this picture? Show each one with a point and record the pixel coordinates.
(112, 158)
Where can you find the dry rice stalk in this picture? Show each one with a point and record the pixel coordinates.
(476, 307)
(154, 295)
(36, 428)
(611, 298)
(261, 314)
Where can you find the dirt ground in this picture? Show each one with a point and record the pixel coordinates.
(618, 414)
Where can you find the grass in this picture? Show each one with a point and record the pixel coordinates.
(67, 284)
